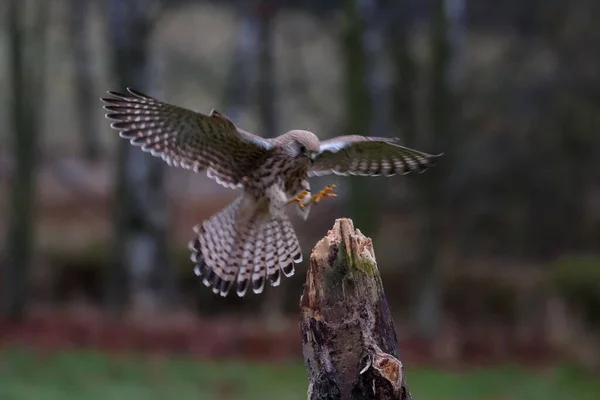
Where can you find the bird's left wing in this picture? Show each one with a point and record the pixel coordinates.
(368, 156)
(185, 138)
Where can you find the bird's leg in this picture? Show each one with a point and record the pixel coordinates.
(325, 192)
(298, 199)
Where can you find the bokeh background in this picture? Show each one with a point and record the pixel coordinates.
(490, 261)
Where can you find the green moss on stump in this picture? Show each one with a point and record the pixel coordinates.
(346, 271)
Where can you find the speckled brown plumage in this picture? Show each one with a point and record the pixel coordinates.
(251, 240)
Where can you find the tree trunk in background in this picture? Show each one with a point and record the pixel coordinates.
(86, 102)
(139, 273)
(266, 69)
(239, 74)
(366, 97)
(377, 79)
(404, 89)
(456, 11)
(377, 74)
(440, 137)
(27, 49)
(272, 303)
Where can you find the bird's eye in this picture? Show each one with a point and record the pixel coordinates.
(302, 149)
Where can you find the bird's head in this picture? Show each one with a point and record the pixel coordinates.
(303, 144)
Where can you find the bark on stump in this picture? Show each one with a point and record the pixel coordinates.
(348, 339)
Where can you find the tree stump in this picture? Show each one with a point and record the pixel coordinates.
(348, 339)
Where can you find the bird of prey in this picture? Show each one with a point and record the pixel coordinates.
(252, 239)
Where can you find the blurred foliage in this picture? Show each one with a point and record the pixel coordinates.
(470, 295)
(475, 297)
(576, 278)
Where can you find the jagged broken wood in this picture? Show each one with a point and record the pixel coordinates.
(348, 339)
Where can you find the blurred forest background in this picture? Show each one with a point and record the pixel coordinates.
(491, 258)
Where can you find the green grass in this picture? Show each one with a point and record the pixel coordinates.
(89, 375)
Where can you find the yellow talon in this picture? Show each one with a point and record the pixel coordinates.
(298, 199)
(302, 194)
(325, 192)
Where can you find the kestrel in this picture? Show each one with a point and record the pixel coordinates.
(252, 239)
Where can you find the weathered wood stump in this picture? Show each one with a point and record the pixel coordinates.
(348, 339)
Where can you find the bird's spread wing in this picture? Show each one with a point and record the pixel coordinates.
(186, 138)
(368, 156)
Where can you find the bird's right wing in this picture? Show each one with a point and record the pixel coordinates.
(368, 156)
(186, 138)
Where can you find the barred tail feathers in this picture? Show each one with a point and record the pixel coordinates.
(276, 250)
(244, 251)
(211, 249)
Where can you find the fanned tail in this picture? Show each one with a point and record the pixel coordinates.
(242, 246)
